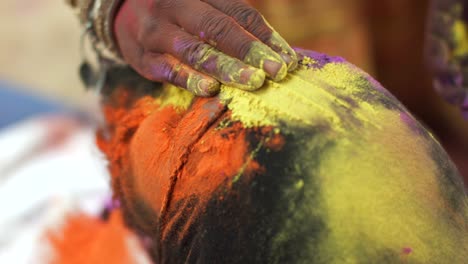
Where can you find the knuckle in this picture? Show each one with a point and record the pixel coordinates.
(249, 17)
(152, 67)
(136, 60)
(181, 44)
(194, 52)
(145, 69)
(171, 73)
(243, 48)
(216, 27)
(148, 31)
(166, 4)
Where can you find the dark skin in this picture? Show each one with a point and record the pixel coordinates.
(199, 45)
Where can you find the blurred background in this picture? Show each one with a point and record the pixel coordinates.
(39, 50)
(47, 119)
(49, 165)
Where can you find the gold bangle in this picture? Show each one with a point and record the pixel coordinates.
(85, 7)
(104, 24)
(97, 17)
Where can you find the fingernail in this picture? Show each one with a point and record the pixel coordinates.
(277, 71)
(290, 62)
(207, 88)
(253, 79)
(287, 53)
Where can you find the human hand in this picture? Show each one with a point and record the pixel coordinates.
(198, 44)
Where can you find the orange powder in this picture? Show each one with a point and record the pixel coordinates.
(123, 113)
(161, 155)
(178, 155)
(216, 158)
(167, 143)
(150, 153)
(85, 239)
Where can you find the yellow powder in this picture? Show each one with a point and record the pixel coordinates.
(175, 96)
(302, 97)
(308, 61)
(380, 165)
(389, 172)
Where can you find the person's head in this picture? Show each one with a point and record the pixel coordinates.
(325, 166)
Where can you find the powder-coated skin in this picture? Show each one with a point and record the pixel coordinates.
(325, 167)
(199, 44)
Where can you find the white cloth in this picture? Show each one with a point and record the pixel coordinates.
(48, 167)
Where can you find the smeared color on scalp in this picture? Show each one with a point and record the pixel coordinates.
(303, 98)
(325, 167)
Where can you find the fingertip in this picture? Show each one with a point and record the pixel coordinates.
(255, 79)
(282, 73)
(203, 87)
(280, 45)
(276, 70)
(209, 87)
(290, 61)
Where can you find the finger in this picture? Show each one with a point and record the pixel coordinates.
(165, 68)
(223, 32)
(252, 21)
(203, 57)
